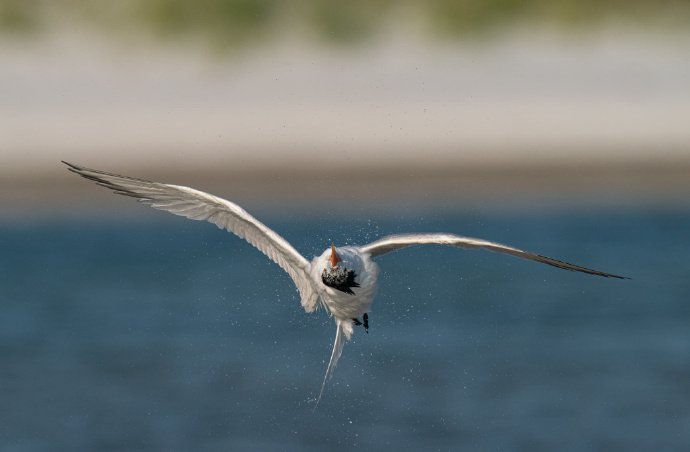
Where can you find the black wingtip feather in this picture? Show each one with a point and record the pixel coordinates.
(84, 172)
(577, 268)
(93, 175)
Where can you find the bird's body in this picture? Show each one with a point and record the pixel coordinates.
(341, 304)
(343, 281)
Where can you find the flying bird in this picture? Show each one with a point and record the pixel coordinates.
(342, 280)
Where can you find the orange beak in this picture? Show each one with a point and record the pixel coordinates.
(334, 257)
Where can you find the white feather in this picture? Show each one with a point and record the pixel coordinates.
(396, 242)
(197, 205)
(345, 307)
(343, 331)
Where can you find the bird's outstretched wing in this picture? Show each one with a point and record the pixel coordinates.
(396, 242)
(197, 205)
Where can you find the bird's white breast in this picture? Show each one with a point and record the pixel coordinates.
(343, 305)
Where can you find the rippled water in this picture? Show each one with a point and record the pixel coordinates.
(152, 332)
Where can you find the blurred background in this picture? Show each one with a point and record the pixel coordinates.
(373, 96)
(557, 126)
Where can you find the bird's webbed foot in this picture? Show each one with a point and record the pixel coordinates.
(357, 322)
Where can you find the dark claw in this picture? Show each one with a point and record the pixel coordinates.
(356, 322)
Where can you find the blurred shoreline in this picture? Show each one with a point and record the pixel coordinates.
(371, 187)
(535, 116)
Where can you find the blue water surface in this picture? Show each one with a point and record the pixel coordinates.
(149, 332)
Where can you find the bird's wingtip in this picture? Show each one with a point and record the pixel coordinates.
(71, 166)
(611, 275)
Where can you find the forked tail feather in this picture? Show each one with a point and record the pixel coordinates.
(343, 331)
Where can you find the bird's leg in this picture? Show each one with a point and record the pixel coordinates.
(357, 322)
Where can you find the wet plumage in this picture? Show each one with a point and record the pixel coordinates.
(342, 280)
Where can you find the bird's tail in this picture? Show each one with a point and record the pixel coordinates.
(342, 332)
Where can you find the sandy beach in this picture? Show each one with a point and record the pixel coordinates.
(539, 115)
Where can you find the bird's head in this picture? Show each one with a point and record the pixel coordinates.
(338, 276)
(334, 259)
